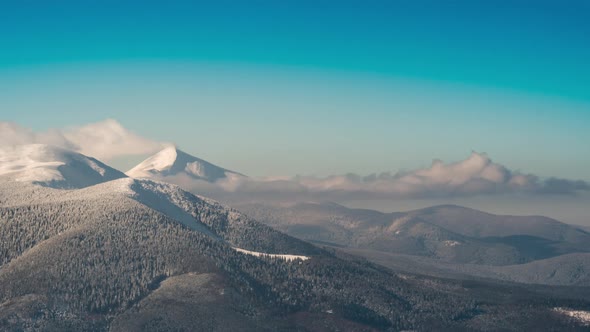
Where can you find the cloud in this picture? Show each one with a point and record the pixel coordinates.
(103, 140)
(13, 134)
(476, 175)
(108, 139)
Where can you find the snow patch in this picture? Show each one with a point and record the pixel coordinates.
(261, 254)
(450, 243)
(582, 317)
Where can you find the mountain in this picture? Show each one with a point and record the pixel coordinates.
(54, 167)
(172, 162)
(141, 255)
(448, 233)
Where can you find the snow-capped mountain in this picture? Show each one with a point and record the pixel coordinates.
(172, 162)
(54, 167)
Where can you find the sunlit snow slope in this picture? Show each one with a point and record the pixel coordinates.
(54, 167)
(174, 162)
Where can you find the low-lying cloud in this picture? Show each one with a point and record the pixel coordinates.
(476, 175)
(103, 140)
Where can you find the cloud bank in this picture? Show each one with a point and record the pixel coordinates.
(103, 140)
(476, 175)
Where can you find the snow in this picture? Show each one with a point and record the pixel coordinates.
(159, 162)
(580, 316)
(450, 243)
(120, 186)
(166, 198)
(29, 162)
(53, 166)
(261, 254)
(162, 197)
(169, 199)
(174, 162)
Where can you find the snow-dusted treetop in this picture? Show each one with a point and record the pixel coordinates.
(52, 166)
(174, 162)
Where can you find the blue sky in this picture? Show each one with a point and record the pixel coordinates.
(312, 87)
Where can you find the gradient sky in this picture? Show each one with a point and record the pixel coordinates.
(312, 87)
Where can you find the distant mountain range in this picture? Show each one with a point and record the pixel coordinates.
(442, 238)
(83, 247)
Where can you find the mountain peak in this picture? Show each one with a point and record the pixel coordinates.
(172, 161)
(52, 166)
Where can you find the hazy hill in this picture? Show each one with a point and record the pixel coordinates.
(564, 270)
(448, 233)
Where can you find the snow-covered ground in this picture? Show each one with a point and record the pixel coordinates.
(583, 317)
(261, 254)
(168, 199)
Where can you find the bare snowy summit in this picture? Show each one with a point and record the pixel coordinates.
(53, 167)
(174, 162)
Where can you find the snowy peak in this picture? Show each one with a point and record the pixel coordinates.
(53, 167)
(173, 162)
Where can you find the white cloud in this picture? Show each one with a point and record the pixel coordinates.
(13, 134)
(103, 140)
(476, 175)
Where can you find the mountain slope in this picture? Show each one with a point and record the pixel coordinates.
(53, 167)
(171, 162)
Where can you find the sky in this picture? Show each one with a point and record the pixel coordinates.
(311, 88)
